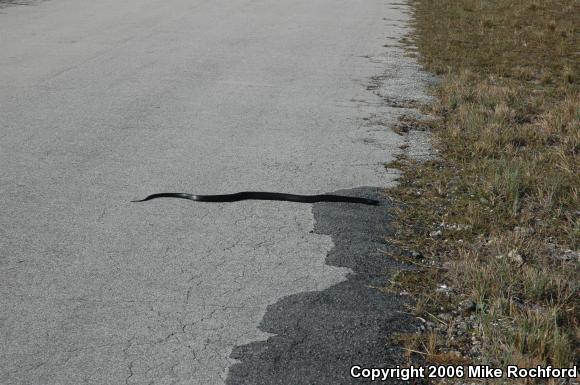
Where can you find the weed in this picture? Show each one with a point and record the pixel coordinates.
(504, 193)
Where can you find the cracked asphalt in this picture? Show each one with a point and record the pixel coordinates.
(102, 102)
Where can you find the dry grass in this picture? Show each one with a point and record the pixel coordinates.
(505, 192)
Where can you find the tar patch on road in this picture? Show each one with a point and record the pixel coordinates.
(320, 335)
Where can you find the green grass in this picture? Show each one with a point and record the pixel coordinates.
(506, 124)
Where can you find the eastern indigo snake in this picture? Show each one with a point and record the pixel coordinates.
(265, 196)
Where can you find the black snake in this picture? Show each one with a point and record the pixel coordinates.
(265, 196)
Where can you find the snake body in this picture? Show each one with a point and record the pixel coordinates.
(265, 196)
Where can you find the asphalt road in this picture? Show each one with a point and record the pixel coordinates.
(106, 101)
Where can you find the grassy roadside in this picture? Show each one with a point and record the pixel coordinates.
(494, 222)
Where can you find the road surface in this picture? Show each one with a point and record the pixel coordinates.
(102, 102)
